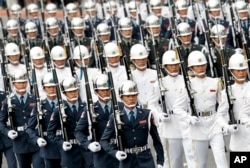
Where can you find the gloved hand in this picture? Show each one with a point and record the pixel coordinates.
(194, 120)
(120, 155)
(41, 142)
(159, 166)
(66, 146)
(232, 128)
(163, 117)
(94, 146)
(12, 134)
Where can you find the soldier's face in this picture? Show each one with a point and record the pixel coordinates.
(215, 13)
(239, 75)
(53, 30)
(34, 14)
(13, 32)
(72, 15)
(38, 62)
(14, 58)
(182, 12)
(52, 14)
(129, 100)
(243, 15)
(104, 93)
(78, 31)
(173, 68)
(185, 39)
(217, 41)
(92, 13)
(105, 38)
(199, 70)
(50, 90)
(133, 14)
(155, 31)
(114, 61)
(126, 33)
(140, 63)
(72, 95)
(32, 34)
(60, 62)
(20, 85)
(157, 11)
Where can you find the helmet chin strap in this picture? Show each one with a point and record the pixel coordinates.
(185, 42)
(59, 66)
(72, 99)
(38, 66)
(199, 74)
(51, 95)
(174, 74)
(130, 105)
(140, 67)
(14, 62)
(238, 79)
(103, 98)
(114, 64)
(20, 90)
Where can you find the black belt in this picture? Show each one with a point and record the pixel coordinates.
(136, 150)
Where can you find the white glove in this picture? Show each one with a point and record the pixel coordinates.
(194, 120)
(12, 134)
(66, 146)
(94, 146)
(163, 117)
(232, 128)
(120, 155)
(159, 166)
(41, 142)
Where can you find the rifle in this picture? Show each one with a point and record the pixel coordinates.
(40, 113)
(103, 11)
(124, 9)
(159, 77)
(187, 82)
(227, 85)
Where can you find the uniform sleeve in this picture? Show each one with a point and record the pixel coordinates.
(222, 111)
(156, 141)
(108, 133)
(4, 118)
(32, 123)
(53, 126)
(82, 131)
(245, 111)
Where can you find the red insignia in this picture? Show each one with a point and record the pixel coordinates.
(143, 122)
(153, 81)
(212, 90)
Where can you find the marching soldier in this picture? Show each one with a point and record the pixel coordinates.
(138, 123)
(15, 11)
(33, 39)
(72, 155)
(103, 109)
(51, 10)
(55, 37)
(48, 150)
(22, 104)
(173, 133)
(6, 146)
(112, 54)
(13, 35)
(153, 27)
(91, 17)
(204, 129)
(240, 91)
(59, 60)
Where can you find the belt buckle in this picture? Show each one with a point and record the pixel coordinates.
(206, 113)
(135, 150)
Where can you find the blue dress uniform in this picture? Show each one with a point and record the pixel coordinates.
(38, 25)
(6, 144)
(136, 29)
(101, 158)
(135, 138)
(110, 24)
(95, 21)
(50, 152)
(165, 28)
(75, 157)
(23, 146)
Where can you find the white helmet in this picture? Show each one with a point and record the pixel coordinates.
(181, 5)
(89, 6)
(155, 4)
(36, 53)
(58, 53)
(69, 84)
(213, 5)
(152, 21)
(81, 52)
(12, 24)
(15, 9)
(30, 27)
(218, 30)
(11, 49)
(32, 8)
(51, 8)
(237, 61)
(138, 51)
(132, 6)
(111, 6)
(52, 22)
(48, 80)
(170, 57)
(19, 76)
(183, 29)
(71, 8)
(111, 50)
(101, 82)
(125, 24)
(128, 87)
(196, 58)
(241, 6)
(103, 29)
(77, 23)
